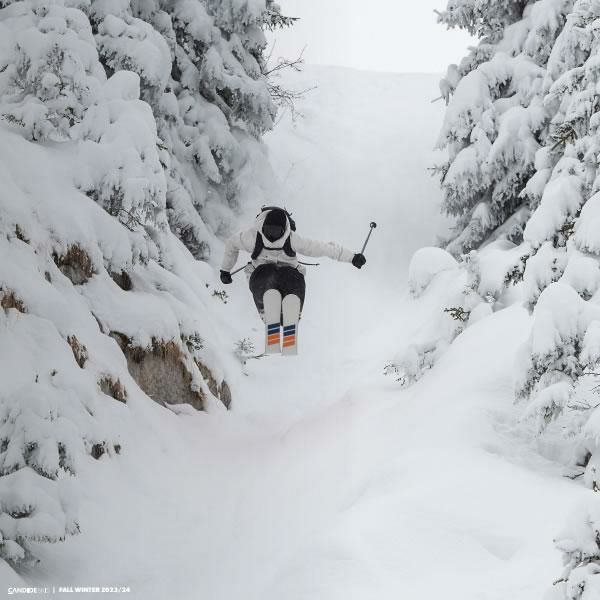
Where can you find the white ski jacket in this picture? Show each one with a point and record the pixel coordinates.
(273, 251)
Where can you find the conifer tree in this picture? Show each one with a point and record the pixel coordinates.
(48, 70)
(544, 195)
(496, 120)
(159, 105)
(201, 69)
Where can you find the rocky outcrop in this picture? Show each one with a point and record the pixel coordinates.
(165, 372)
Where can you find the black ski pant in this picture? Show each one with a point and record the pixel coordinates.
(287, 280)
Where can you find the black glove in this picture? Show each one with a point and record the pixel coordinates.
(226, 277)
(359, 260)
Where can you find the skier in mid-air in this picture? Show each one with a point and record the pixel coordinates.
(276, 276)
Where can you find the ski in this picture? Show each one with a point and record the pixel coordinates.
(291, 315)
(273, 304)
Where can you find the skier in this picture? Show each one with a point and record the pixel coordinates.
(276, 277)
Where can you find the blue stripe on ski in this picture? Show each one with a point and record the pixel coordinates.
(274, 328)
(289, 328)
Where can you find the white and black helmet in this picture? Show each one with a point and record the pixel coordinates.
(275, 223)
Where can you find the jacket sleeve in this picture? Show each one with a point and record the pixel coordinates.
(243, 240)
(317, 249)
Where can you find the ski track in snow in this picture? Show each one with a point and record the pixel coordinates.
(326, 481)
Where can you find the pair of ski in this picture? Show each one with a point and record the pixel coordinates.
(281, 323)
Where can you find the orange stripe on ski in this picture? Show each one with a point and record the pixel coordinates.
(289, 341)
(273, 339)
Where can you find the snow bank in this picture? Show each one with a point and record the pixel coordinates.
(425, 264)
(72, 281)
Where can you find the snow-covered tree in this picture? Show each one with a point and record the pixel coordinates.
(152, 113)
(200, 67)
(456, 294)
(496, 119)
(48, 68)
(47, 428)
(564, 272)
(523, 165)
(580, 544)
(523, 155)
(123, 171)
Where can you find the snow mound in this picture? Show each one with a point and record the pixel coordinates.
(425, 264)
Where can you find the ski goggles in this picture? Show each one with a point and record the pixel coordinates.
(273, 232)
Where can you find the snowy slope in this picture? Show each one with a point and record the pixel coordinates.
(326, 481)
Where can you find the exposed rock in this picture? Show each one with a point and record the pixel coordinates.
(76, 264)
(225, 394)
(123, 280)
(222, 391)
(112, 388)
(99, 449)
(161, 372)
(208, 377)
(80, 352)
(21, 234)
(9, 300)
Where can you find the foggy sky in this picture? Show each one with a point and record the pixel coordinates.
(381, 35)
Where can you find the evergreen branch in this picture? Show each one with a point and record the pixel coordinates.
(131, 219)
(563, 135)
(273, 20)
(282, 96)
(458, 313)
(284, 63)
(582, 407)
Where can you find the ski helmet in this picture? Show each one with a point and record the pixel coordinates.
(275, 224)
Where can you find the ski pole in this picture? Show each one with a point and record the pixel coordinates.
(249, 263)
(372, 226)
(240, 269)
